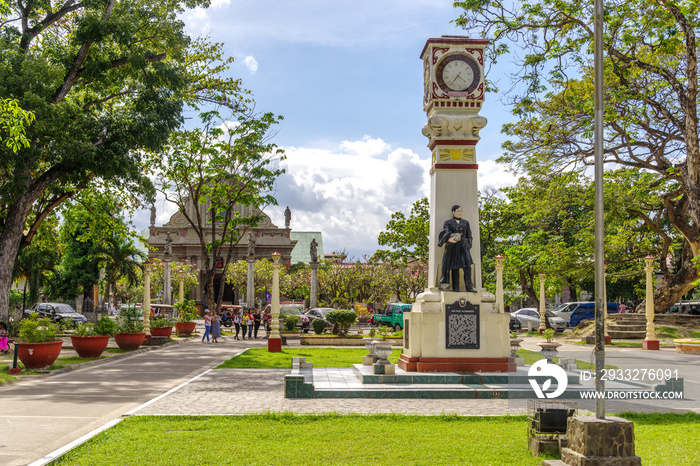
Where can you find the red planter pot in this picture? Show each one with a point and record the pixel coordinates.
(90, 347)
(38, 355)
(129, 341)
(185, 329)
(162, 332)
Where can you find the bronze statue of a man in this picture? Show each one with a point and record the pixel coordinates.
(456, 236)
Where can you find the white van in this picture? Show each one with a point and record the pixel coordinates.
(564, 310)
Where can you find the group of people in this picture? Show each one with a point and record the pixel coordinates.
(249, 322)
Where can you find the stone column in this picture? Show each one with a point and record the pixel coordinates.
(146, 305)
(313, 298)
(167, 281)
(499, 283)
(274, 342)
(650, 342)
(250, 289)
(543, 308)
(181, 294)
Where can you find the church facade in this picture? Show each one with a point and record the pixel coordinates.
(186, 247)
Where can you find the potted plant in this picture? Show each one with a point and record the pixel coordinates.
(514, 344)
(39, 345)
(548, 348)
(90, 340)
(162, 326)
(186, 314)
(129, 334)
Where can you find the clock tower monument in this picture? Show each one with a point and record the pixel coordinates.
(456, 329)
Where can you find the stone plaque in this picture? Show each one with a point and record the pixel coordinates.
(462, 325)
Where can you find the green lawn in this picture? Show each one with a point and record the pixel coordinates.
(261, 358)
(381, 439)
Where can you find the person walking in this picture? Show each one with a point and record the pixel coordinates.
(267, 317)
(216, 328)
(207, 325)
(244, 324)
(256, 323)
(237, 323)
(4, 334)
(251, 323)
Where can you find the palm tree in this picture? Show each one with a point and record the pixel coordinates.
(121, 258)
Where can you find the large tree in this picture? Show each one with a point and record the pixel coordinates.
(651, 98)
(407, 236)
(221, 177)
(104, 81)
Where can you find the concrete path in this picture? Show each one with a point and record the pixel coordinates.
(40, 415)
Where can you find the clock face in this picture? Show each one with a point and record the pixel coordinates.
(458, 73)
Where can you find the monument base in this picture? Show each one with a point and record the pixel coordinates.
(456, 332)
(274, 345)
(456, 364)
(595, 441)
(650, 344)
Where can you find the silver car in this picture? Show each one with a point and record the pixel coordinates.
(529, 317)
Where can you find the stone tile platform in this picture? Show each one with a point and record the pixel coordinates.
(361, 382)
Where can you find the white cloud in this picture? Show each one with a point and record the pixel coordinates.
(220, 3)
(251, 63)
(349, 193)
(367, 146)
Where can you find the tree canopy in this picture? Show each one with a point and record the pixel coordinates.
(104, 81)
(407, 236)
(220, 177)
(651, 99)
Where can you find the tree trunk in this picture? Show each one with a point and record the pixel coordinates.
(676, 286)
(10, 239)
(526, 283)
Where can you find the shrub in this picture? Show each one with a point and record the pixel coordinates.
(384, 331)
(105, 326)
(344, 318)
(129, 320)
(186, 311)
(162, 322)
(33, 330)
(290, 322)
(548, 334)
(319, 326)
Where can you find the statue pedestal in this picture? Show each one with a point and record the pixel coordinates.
(456, 332)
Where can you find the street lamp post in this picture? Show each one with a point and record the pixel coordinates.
(543, 322)
(650, 342)
(146, 298)
(274, 342)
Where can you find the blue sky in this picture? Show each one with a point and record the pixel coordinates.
(347, 78)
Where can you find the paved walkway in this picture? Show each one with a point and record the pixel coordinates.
(39, 416)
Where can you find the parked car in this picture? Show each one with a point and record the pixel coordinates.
(685, 308)
(514, 324)
(586, 311)
(532, 316)
(391, 316)
(59, 313)
(564, 310)
(319, 313)
(287, 309)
